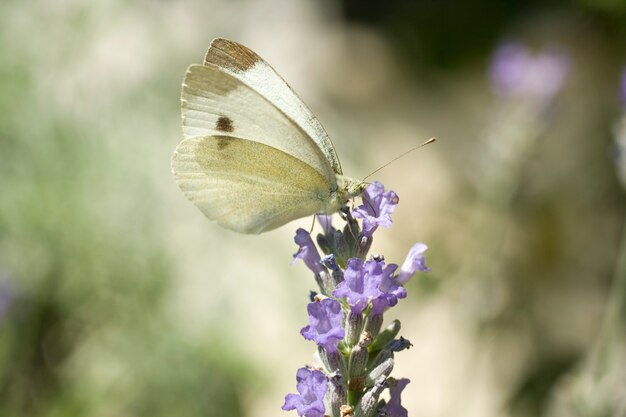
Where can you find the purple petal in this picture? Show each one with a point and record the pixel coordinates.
(326, 221)
(415, 261)
(312, 386)
(325, 319)
(377, 207)
(307, 252)
(369, 281)
(390, 290)
(352, 287)
(394, 407)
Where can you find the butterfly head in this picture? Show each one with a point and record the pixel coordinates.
(349, 188)
(355, 188)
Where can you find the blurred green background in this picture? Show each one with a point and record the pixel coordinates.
(118, 298)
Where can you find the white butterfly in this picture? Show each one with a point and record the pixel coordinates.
(253, 155)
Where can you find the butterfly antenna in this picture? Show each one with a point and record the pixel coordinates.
(312, 224)
(429, 141)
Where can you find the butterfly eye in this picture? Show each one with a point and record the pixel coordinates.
(356, 189)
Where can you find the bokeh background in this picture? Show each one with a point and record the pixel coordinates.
(118, 298)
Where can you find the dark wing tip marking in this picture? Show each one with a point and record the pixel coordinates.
(230, 55)
(224, 124)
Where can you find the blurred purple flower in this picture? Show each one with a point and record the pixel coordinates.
(394, 407)
(325, 320)
(414, 261)
(307, 252)
(623, 87)
(312, 386)
(376, 208)
(516, 72)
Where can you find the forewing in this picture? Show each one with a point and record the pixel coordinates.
(249, 68)
(245, 185)
(214, 103)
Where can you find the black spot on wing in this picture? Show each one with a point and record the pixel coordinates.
(224, 124)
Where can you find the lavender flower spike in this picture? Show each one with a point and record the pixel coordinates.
(345, 320)
(394, 407)
(312, 386)
(414, 262)
(307, 252)
(376, 208)
(325, 320)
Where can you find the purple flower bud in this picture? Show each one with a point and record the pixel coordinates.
(358, 360)
(324, 327)
(382, 369)
(376, 208)
(414, 262)
(373, 324)
(338, 396)
(354, 327)
(369, 401)
(333, 361)
(312, 386)
(387, 335)
(400, 344)
(307, 252)
(394, 407)
(516, 72)
(330, 262)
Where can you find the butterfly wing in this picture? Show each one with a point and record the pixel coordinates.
(245, 185)
(249, 68)
(215, 103)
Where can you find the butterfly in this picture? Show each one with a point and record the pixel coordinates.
(253, 157)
